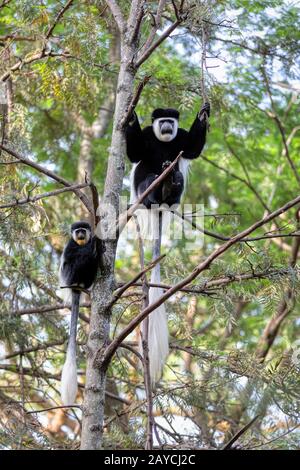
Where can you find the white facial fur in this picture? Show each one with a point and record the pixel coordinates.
(165, 137)
(87, 236)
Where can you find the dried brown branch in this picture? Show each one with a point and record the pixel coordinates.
(38, 347)
(224, 281)
(21, 62)
(218, 236)
(54, 408)
(46, 308)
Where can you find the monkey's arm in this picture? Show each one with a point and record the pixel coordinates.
(195, 138)
(134, 140)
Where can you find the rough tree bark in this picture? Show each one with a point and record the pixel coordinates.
(93, 406)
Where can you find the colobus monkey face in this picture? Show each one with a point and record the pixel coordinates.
(165, 129)
(81, 233)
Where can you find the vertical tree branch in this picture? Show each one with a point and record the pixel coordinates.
(102, 293)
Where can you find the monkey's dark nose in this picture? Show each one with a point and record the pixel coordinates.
(166, 128)
(80, 235)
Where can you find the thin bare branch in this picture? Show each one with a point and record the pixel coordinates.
(110, 350)
(46, 308)
(157, 43)
(156, 25)
(31, 199)
(58, 17)
(135, 100)
(48, 173)
(135, 279)
(279, 124)
(239, 434)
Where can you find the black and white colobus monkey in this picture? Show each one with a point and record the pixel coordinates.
(151, 150)
(78, 268)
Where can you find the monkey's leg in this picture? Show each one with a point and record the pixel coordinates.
(155, 196)
(173, 189)
(167, 185)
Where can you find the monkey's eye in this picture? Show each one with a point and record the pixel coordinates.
(80, 234)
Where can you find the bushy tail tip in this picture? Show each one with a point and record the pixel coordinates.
(158, 337)
(69, 379)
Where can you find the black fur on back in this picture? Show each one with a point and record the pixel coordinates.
(80, 263)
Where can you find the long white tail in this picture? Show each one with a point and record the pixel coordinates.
(69, 372)
(153, 223)
(158, 337)
(69, 378)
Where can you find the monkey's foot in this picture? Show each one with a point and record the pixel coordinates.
(169, 188)
(172, 189)
(165, 165)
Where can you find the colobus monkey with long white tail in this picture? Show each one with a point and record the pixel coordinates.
(151, 150)
(78, 268)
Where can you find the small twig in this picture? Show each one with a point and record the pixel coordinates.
(29, 199)
(239, 434)
(156, 25)
(54, 408)
(48, 173)
(15, 162)
(135, 100)
(128, 284)
(47, 308)
(95, 199)
(275, 117)
(77, 288)
(157, 43)
(58, 17)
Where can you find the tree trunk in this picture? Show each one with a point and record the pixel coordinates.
(93, 406)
